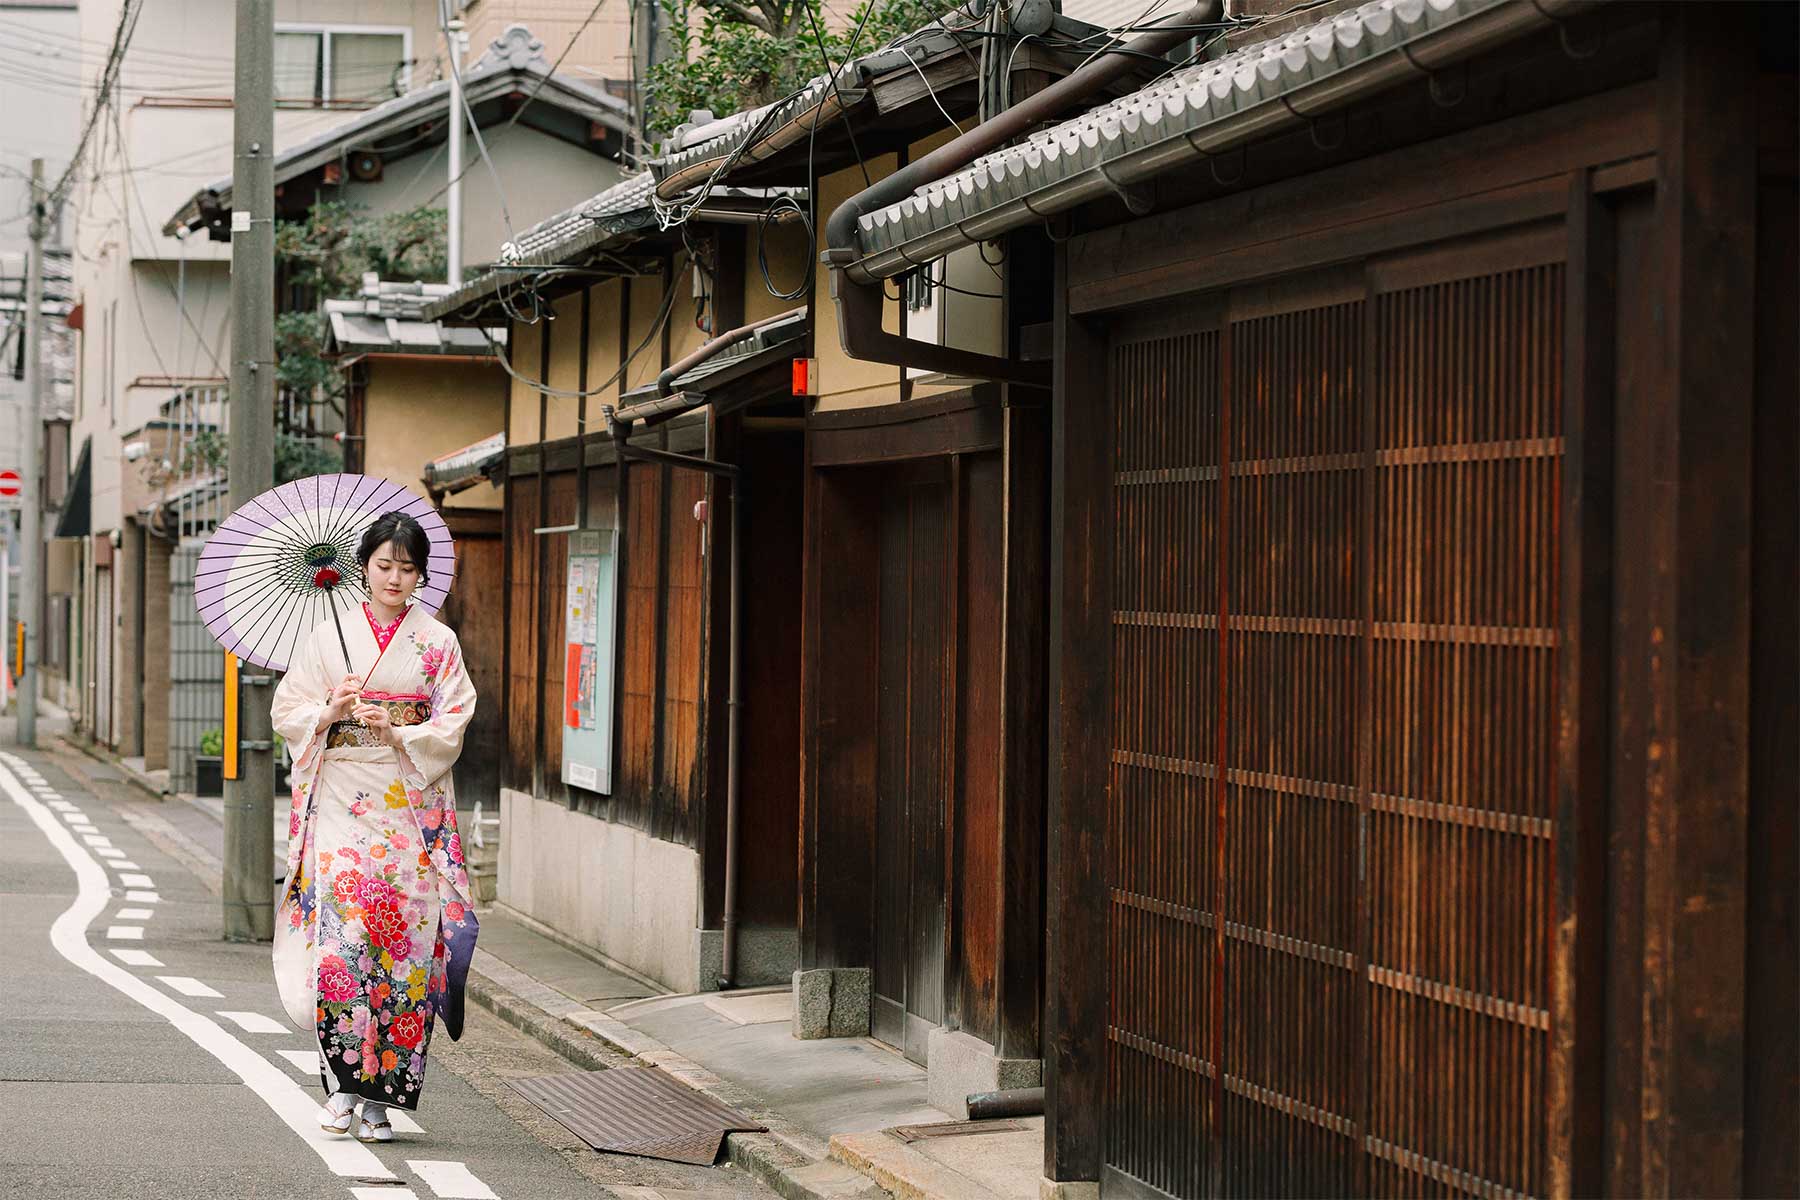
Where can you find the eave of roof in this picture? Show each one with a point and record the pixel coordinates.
(612, 220)
(504, 69)
(1199, 110)
(695, 153)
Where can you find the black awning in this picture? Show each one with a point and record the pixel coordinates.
(76, 516)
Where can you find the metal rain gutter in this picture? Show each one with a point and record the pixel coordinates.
(1421, 56)
(858, 296)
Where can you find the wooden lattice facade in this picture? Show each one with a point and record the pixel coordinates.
(1411, 515)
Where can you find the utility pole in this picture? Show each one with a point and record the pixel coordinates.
(31, 500)
(249, 870)
(453, 30)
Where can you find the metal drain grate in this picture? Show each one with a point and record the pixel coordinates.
(637, 1110)
(943, 1129)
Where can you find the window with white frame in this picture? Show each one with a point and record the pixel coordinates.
(955, 301)
(341, 64)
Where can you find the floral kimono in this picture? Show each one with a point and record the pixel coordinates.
(376, 927)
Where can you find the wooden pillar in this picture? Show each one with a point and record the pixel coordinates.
(1695, 534)
(1024, 698)
(1080, 649)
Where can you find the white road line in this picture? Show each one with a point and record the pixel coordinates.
(135, 881)
(133, 914)
(84, 827)
(189, 986)
(450, 1180)
(96, 840)
(109, 852)
(122, 864)
(124, 933)
(384, 1193)
(73, 814)
(403, 1122)
(343, 1156)
(143, 897)
(60, 805)
(305, 1061)
(137, 958)
(255, 1022)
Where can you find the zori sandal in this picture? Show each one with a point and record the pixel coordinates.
(338, 1113)
(376, 1131)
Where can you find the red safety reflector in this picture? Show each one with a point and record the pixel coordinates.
(804, 372)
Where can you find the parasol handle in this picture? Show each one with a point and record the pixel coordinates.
(327, 580)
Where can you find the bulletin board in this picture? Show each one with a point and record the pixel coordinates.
(589, 603)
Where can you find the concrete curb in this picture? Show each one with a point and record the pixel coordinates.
(106, 758)
(792, 1162)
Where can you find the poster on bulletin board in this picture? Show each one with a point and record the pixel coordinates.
(589, 601)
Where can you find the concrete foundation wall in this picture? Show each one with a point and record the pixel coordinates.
(631, 897)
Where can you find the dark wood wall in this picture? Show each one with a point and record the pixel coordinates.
(660, 732)
(480, 628)
(923, 714)
(1642, 998)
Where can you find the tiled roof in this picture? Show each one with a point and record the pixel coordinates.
(1189, 112)
(621, 212)
(513, 61)
(389, 317)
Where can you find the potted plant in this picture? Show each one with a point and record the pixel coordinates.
(209, 764)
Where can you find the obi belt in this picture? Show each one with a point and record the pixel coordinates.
(401, 710)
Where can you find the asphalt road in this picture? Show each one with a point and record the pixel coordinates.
(140, 1056)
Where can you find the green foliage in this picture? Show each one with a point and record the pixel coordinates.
(325, 257)
(205, 451)
(298, 457)
(212, 742)
(738, 56)
(328, 253)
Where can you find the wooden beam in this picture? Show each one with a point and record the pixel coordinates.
(1023, 712)
(1698, 720)
(1577, 1048)
(1080, 649)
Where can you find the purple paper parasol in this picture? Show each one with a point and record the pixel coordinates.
(265, 577)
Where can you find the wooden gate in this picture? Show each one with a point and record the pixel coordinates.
(1333, 750)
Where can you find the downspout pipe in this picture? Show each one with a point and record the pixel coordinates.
(859, 304)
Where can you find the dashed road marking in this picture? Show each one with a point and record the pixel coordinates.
(109, 852)
(254, 1022)
(138, 897)
(384, 1193)
(122, 864)
(137, 881)
(403, 1121)
(189, 986)
(305, 1061)
(69, 934)
(450, 1180)
(124, 933)
(133, 914)
(137, 958)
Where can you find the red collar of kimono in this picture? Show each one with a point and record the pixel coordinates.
(384, 633)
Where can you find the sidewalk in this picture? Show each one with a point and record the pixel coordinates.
(831, 1105)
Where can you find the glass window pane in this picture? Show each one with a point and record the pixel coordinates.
(299, 69)
(367, 66)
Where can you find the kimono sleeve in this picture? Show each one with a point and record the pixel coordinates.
(430, 749)
(300, 701)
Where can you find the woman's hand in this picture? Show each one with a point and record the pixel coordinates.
(342, 699)
(376, 717)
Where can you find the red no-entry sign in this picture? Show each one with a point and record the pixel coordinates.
(9, 483)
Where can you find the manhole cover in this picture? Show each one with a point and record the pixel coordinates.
(637, 1110)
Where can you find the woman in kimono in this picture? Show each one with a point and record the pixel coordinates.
(376, 927)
